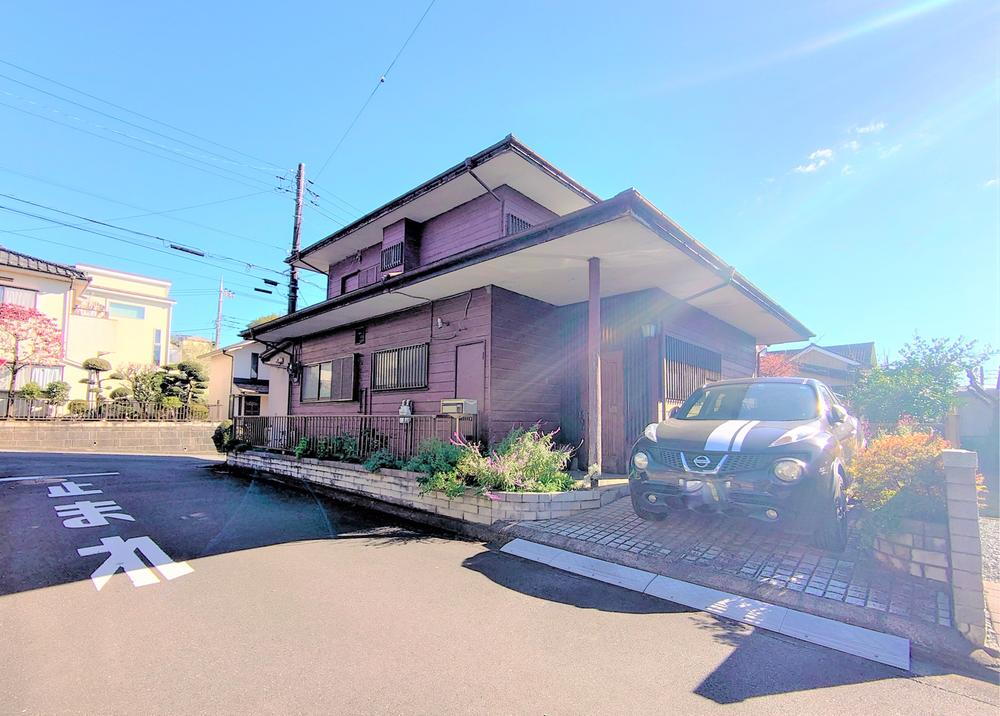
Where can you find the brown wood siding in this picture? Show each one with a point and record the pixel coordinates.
(526, 364)
(465, 318)
(622, 318)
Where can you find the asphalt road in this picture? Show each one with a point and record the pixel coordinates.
(279, 601)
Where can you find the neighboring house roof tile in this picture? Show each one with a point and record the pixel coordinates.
(15, 259)
(863, 353)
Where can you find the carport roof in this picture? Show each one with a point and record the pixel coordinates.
(639, 247)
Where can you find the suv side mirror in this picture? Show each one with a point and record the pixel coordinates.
(673, 411)
(837, 414)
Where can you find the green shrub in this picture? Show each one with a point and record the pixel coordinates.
(29, 391)
(97, 364)
(302, 449)
(198, 411)
(120, 392)
(343, 448)
(449, 482)
(525, 461)
(382, 457)
(222, 435)
(77, 407)
(171, 402)
(56, 392)
(236, 446)
(434, 456)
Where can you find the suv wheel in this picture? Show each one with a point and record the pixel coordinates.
(644, 512)
(832, 531)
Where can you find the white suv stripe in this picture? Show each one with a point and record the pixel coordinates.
(741, 435)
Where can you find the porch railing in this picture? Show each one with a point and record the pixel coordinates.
(116, 410)
(372, 432)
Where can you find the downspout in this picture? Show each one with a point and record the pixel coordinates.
(232, 362)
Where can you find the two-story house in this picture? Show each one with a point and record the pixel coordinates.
(504, 281)
(121, 317)
(240, 379)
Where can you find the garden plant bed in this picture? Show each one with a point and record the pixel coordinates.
(399, 488)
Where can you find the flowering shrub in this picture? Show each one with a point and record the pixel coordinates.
(525, 461)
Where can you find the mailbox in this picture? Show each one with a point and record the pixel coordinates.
(459, 407)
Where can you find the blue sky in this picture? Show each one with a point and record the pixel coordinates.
(843, 155)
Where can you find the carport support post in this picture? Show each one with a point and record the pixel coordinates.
(594, 372)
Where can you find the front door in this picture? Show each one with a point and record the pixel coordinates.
(470, 376)
(613, 447)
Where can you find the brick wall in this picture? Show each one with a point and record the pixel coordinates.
(399, 487)
(147, 438)
(920, 548)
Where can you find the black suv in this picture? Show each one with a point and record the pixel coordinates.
(775, 449)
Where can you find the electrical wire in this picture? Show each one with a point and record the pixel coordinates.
(381, 81)
(137, 114)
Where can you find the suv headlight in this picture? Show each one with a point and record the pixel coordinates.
(650, 432)
(640, 460)
(788, 469)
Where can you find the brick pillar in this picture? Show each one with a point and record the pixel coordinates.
(964, 544)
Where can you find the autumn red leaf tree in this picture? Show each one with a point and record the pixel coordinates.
(775, 365)
(27, 337)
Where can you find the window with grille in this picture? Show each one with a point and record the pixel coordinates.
(18, 296)
(392, 257)
(689, 367)
(516, 224)
(399, 368)
(330, 380)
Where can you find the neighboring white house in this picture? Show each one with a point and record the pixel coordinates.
(239, 378)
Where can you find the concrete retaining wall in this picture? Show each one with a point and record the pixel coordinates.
(399, 487)
(68, 436)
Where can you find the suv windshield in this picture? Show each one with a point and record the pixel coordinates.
(751, 401)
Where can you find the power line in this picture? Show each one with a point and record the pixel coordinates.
(137, 126)
(381, 81)
(143, 263)
(149, 211)
(186, 155)
(166, 242)
(137, 114)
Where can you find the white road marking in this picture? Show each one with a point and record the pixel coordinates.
(123, 556)
(850, 639)
(58, 477)
(720, 438)
(742, 433)
(72, 489)
(86, 513)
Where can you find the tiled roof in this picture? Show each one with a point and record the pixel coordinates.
(30, 263)
(863, 353)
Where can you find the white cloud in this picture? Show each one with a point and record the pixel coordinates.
(847, 169)
(870, 128)
(886, 152)
(817, 160)
(852, 144)
(991, 183)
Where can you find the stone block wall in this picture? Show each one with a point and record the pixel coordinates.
(919, 548)
(965, 545)
(124, 437)
(399, 487)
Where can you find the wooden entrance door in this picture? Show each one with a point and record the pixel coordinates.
(470, 377)
(613, 448)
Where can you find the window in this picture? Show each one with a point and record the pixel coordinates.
(43, 374)
(18, 296)
(516, 224)
(350, 282)
(126, 310)
(254, 364)
(751, 401)
(251, 405)
(330, 380)
(360, 334)
(399, 368)
(157, 346)
(392, 256)
(689, 367)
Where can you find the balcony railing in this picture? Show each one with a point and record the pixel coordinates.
(372, 432)
(115, 410)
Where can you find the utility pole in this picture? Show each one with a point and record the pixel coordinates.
(218, 314)
(293, 274)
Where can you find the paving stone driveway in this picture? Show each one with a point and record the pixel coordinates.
(758, 551)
